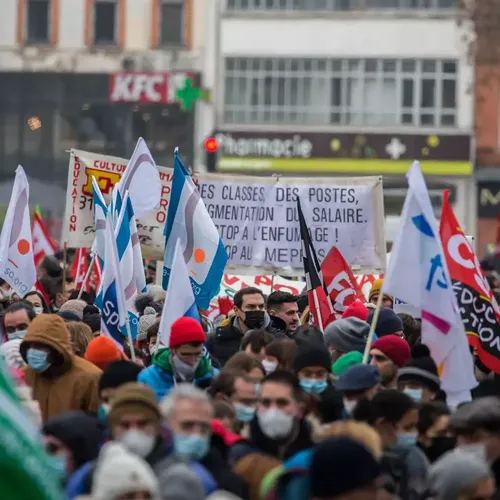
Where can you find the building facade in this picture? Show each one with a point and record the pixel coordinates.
(347, 87)
(95, 75)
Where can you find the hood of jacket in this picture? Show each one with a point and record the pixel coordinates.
(163, 359)
(50, 330)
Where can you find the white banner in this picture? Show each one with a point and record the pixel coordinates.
(256, 216)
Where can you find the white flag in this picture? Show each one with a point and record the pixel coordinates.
(418, 275)
(17, 264)
(142, 180)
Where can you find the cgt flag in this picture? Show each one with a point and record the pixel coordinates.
(17, 264)
(478, 307)
(340, 283)
(79, 269)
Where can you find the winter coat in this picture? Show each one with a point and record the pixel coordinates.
(161, 376)
(70, 383)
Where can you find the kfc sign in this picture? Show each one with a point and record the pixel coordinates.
(147, 88)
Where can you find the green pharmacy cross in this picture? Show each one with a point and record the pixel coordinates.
(188, 95)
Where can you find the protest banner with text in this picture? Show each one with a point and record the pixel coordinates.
(256, 216)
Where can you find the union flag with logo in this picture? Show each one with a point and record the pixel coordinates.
(478, 307)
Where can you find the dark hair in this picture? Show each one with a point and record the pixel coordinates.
(52, 286)
(306, 333)
(21, 305)
(85, 296)
(277, 299)
(45, 306)
(138, 353)
(284, 351)
(412, 329)
(223, 409)
(429, 413)
(223, 383)
(285, 378)
(257, 339)
(153, 331)
(390, 405)
(238, 296)
(243, 361)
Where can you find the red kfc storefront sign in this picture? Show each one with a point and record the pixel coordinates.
(147, 88)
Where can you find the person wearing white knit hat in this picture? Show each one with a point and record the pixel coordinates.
(121, 474)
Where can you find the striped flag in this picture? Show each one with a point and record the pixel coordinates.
(79, 268)
(113, 308)
(43, 244)
(319, 304)
(26, 470)
(100, 213)
(125, 247)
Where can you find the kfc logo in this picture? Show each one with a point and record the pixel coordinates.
(148, 88)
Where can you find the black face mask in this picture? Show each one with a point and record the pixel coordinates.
(254, 319)
(440, 445)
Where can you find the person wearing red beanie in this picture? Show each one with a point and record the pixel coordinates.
(357, 310)
(389, 354)
(102, 351)
(185, 360)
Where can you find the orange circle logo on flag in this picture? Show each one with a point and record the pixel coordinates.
(23, 246)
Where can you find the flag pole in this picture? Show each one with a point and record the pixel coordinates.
(65, 258)
(87, 276)
(130, 341)
(318, 311)
(376, 313)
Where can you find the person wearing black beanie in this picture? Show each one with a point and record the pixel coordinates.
(92, 318)
(115, 375)
(419, 378)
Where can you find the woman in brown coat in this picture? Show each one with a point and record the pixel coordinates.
(60, 380)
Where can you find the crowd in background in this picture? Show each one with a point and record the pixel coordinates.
(258, 405)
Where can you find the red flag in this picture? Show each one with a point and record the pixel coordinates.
(97, 274)
(79, 269)
(478, 307)
(339, 280)
(319, 303)
(42, 242)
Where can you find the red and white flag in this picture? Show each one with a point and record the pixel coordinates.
(79, 269)
(42, 242)
(97, 272)
(340, 283)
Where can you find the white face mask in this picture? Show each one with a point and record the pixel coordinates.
(138, 442)
(38, 310)
(349, 405)
(269, 366)
(275, 424)
(183, 369)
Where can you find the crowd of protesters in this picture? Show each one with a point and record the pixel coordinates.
(261, 405)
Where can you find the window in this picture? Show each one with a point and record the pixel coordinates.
(339, 5)
(38, 15)
(105, 22)
(370, 92)
(172, 22)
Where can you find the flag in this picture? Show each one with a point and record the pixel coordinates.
(17, 264)
(26, 470)
(42, 242)
(478, 307)
(79, 269)
(97, 274)
(142, 180)
(189, 223)
(100, 213)
(418, 275)
(114, 309)
(140, 275)
(319, 303)
(180, 300)
(340, 283)
(125, 247)
(115, 205)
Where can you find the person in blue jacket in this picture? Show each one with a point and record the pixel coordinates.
(185, 360)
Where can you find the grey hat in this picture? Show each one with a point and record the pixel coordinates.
(455, 472)
(145, 321)
(346, 335)
(483, 413)
(180, 482)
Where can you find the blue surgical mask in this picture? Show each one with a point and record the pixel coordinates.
(58, 465)
(191, 446)
(37, 360)
(20, 334)
(103, 411)
(415, 394)
(244, 413)
(407, 440)
(313, 386)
